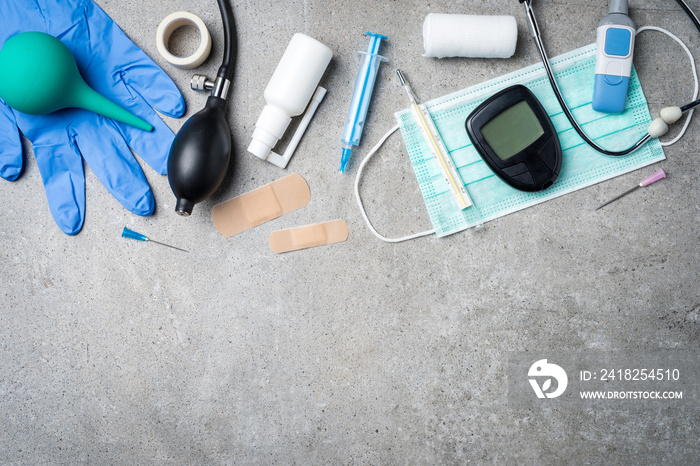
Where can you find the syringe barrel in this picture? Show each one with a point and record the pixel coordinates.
(364, 86)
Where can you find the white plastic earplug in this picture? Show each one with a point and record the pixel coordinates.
(657, 128)
(671, 114)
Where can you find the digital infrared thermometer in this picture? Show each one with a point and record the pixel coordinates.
(613, 65)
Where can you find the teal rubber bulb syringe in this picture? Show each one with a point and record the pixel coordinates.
(369, 67)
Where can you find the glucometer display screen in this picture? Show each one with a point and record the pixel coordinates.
(513, 130)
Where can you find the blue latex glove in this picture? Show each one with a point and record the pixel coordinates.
(116, 68)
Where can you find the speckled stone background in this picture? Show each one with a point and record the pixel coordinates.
(118, 352)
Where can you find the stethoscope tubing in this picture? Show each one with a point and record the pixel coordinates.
(534, 31)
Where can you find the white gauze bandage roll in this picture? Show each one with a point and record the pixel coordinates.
(475, 36)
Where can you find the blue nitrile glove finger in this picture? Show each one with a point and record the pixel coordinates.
(105, 151)
(59, 149)
(10, 145)
(152, 147)
(61, 168)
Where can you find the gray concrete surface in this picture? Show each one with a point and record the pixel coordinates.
(113, 351)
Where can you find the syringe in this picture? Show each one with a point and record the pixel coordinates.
(361, 96)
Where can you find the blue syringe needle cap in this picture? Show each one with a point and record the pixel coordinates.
(131, 234)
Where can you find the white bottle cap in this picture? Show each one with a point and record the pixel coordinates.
(269, 128)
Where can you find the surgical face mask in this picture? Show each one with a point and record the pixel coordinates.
(582, 166)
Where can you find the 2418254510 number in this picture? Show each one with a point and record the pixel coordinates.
(639, 374)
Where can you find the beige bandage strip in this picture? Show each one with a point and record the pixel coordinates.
(261, 205)
(308, 236)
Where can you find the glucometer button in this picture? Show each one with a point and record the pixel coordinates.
(549, 155)
(516, 170)
(613, 80)
(613, 73)
(525, 178)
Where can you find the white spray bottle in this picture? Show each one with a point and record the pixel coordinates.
(292, 85)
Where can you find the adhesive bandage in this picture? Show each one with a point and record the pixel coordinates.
(261, 205)
(308, 236)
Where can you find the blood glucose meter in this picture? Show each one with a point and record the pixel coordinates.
(613, 62)
(514, 135)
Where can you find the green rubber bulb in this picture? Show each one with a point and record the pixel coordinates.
(38, 75)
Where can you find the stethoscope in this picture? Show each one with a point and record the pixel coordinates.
(658, 127)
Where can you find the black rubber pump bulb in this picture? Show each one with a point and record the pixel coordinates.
(201, 152)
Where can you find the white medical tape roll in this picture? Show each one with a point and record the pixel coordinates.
(475, 36)
(166, 29)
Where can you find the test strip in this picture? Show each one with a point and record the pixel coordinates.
(261, 205)
(308, 236)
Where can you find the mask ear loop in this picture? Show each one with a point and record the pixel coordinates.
(359, 200)
(695, 77)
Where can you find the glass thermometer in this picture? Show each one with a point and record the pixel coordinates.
(437, 148)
